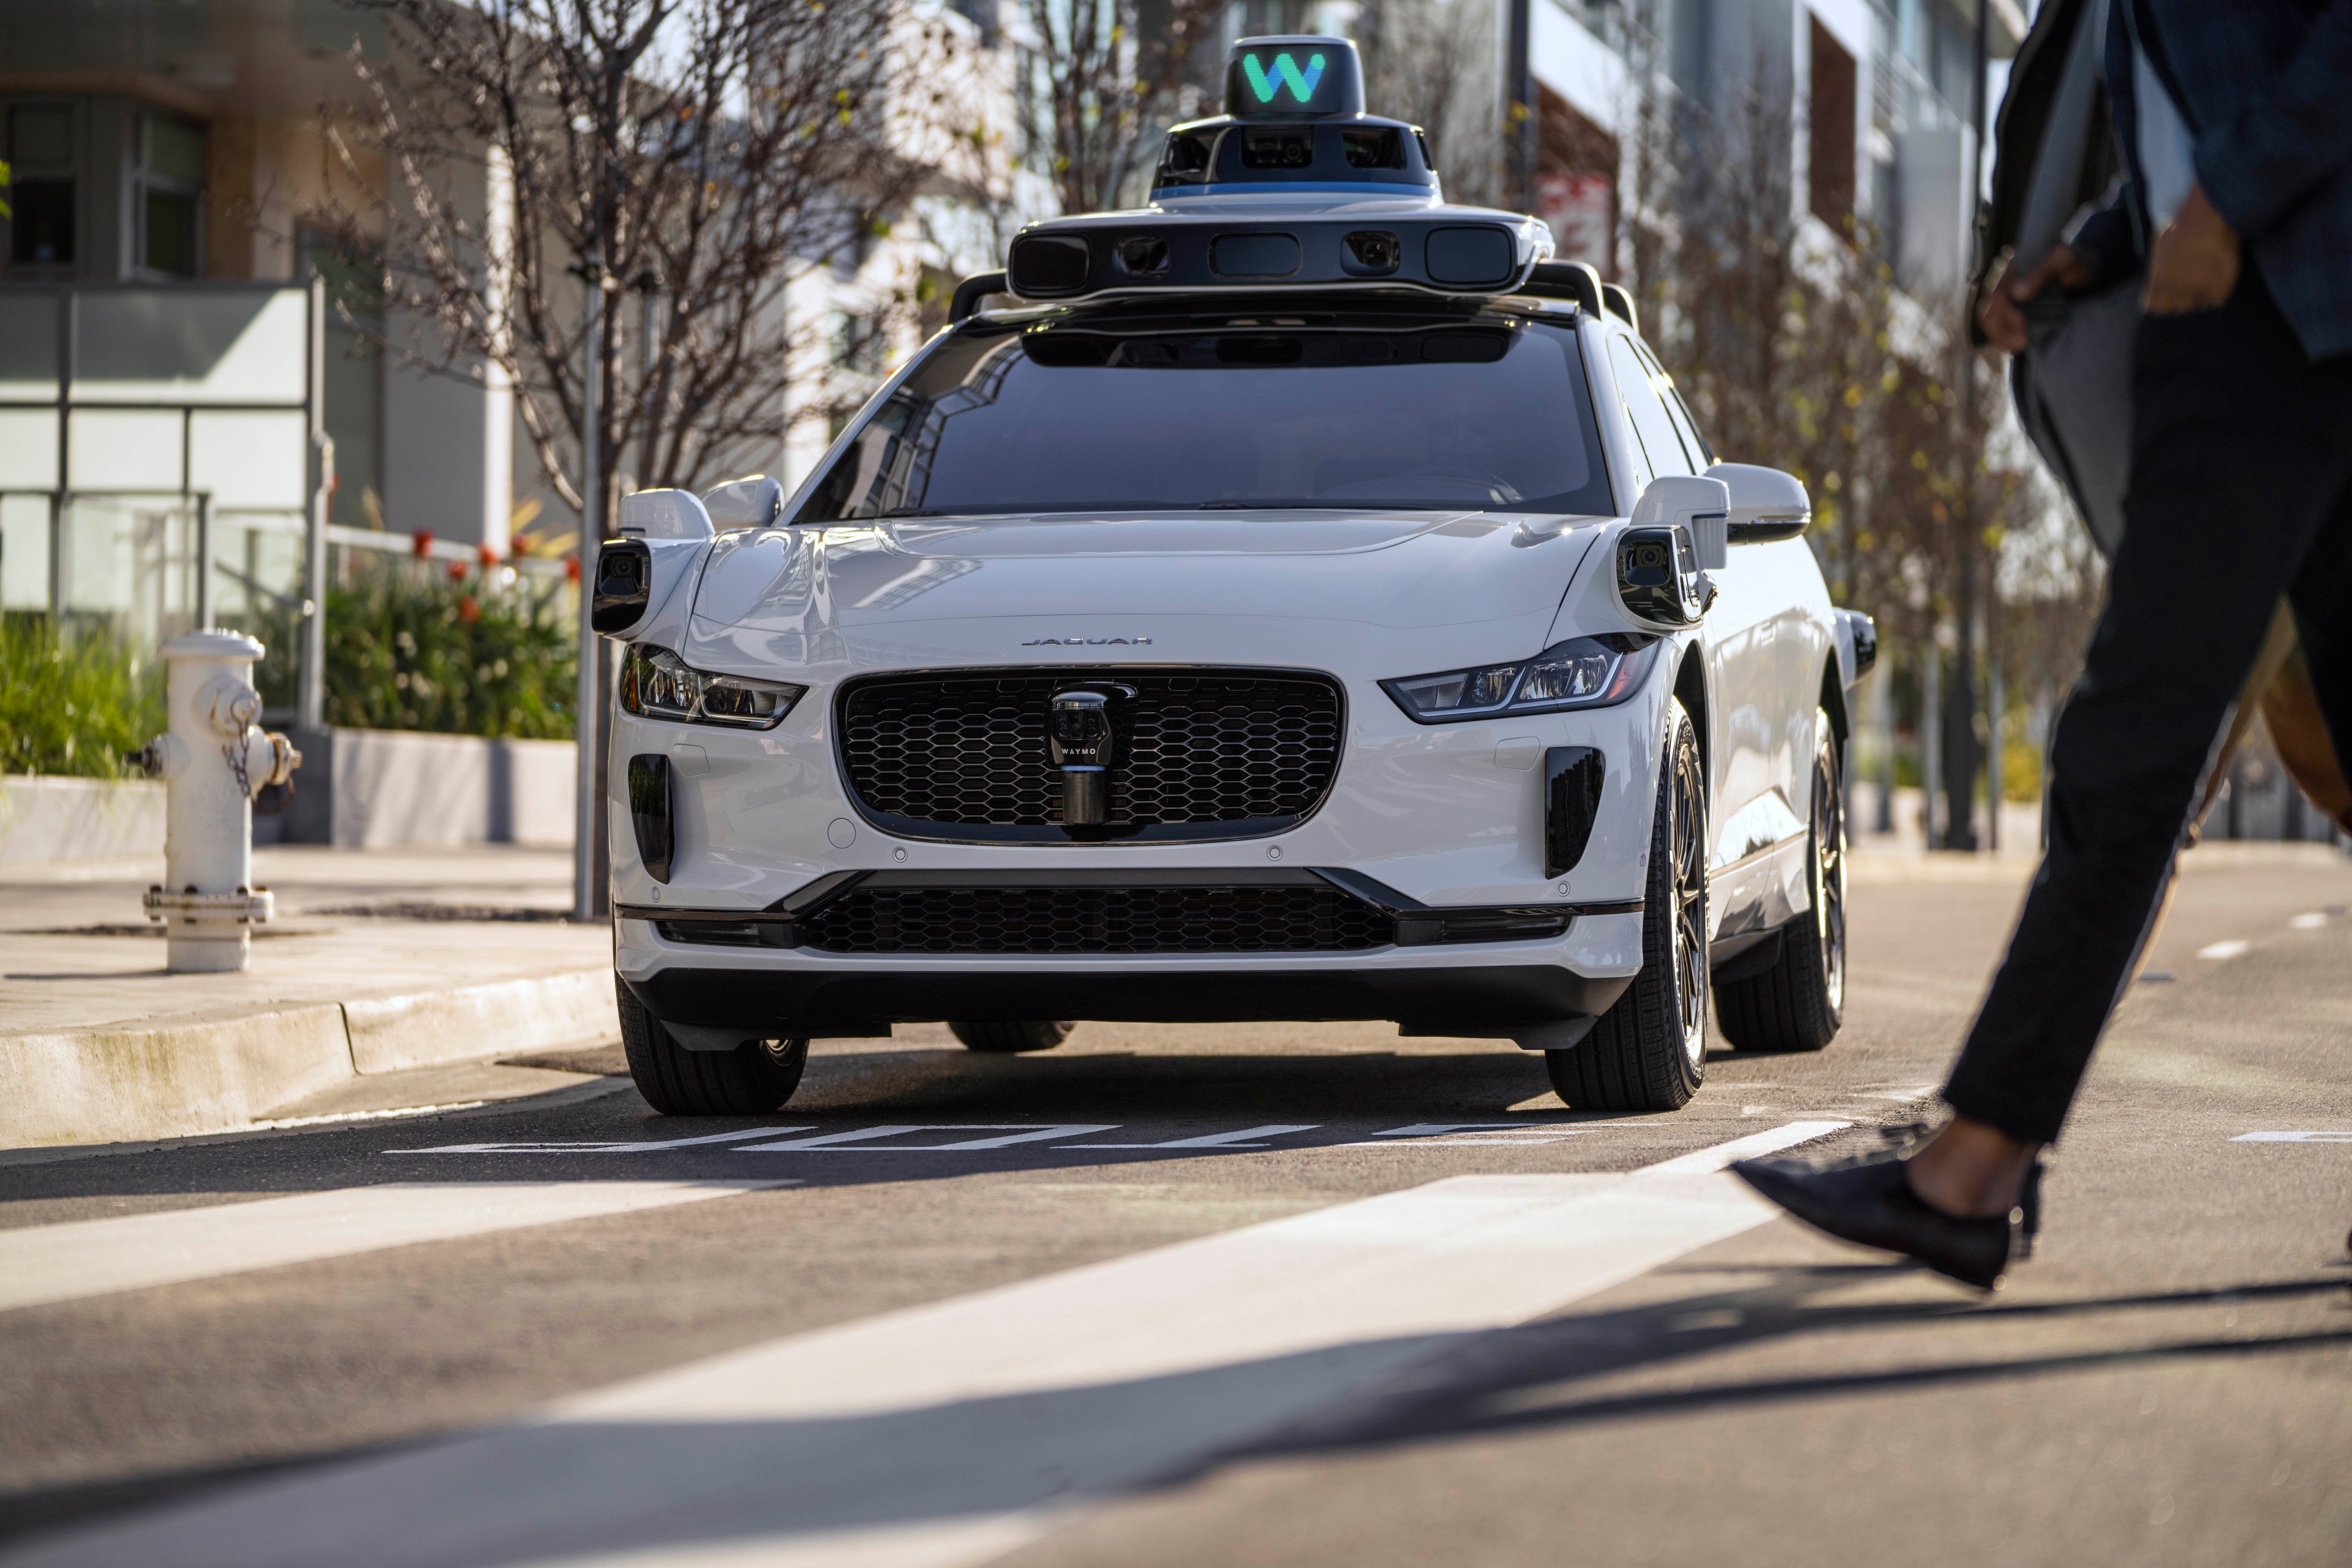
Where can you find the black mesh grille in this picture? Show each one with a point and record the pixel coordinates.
(1199, 747)
(1096, 919)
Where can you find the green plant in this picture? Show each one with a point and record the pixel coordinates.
(410, 646)
(72, 702)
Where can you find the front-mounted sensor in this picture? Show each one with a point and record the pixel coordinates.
(1371, 253)
(1046, 265)
(1141, 255)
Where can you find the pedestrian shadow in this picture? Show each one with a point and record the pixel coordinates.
(1523, 1379)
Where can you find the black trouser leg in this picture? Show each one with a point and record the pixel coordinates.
(2241, 453)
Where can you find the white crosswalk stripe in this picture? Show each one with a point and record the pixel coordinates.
(44, 1264)
(949, 1433)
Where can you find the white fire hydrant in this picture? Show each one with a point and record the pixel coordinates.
(214, 760)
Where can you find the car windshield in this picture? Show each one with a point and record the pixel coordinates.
(1104, 412)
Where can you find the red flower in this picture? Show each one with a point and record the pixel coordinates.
(468, 612)
(571, 568)
(420, 543)
(490, 556)
(457, 571)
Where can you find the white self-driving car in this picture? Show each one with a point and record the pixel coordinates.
(1304, 602)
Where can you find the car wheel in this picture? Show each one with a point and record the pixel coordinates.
(1648, 1052)
(1035, 1036)
(1798, 1004)
(752, 1079)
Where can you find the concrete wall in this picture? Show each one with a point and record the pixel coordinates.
(370, 789)
(78, 820)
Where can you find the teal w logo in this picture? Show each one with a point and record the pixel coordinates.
(1286, 71)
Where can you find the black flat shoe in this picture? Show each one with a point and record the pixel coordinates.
(1873, 1204)
(1906, 1140)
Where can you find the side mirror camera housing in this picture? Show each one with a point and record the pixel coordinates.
(1658, 579)
(1766, 504)
(624, 576)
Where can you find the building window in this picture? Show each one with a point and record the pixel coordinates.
(41, 156)
(1832, 132)
(171, 196)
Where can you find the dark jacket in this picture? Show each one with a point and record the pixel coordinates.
(2266, 88)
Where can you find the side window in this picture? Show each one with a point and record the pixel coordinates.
(1702, 455)
(1663, 447)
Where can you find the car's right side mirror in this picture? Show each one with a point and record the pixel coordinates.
(1766, 504)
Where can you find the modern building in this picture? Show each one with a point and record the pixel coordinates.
(1882, 101)
(186, 322)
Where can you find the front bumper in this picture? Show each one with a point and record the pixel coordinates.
(1496, 998)
(1507, 971)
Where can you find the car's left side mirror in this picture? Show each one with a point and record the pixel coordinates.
(1766, 504)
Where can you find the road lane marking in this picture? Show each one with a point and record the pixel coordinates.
(1455, 1134)
(2233, 948)
(947, 1435)
(2338, 1137)
(2312, 921)
(861, 1141)
(1239, 1139)
(44, 1264)
(603, 1146)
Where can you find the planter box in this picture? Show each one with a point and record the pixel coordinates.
(371, 789)
(45, 818)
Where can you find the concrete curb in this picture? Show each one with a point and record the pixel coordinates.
(127, 1082)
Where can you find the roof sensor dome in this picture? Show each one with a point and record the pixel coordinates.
(1294, 77)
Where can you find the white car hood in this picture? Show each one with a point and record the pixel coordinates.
(1239, 586)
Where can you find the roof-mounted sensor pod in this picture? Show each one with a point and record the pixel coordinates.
(1294, 77)
(1294, 186)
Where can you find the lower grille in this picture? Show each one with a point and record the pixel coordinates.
(1058, 920)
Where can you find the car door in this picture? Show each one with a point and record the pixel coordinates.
(1738, 637)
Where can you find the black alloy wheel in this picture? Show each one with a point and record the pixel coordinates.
(752, 1079)
(1799, 1002)
(1648, 1052)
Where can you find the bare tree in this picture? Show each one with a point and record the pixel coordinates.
(1106, 81)
(712, 150)
(1430, 63)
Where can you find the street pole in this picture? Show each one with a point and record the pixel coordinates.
(1519, 109)
(312, 693)
(1931, 735)
(589, 697)
(1997, 699)
(649, 361)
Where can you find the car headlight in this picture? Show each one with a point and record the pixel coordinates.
(1583, 672)
(657, 684)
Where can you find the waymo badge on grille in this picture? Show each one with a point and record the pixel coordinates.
(1087, 642)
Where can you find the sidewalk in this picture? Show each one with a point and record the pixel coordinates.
(378, 962)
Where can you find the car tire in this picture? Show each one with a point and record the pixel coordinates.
(1648, 1052)
(1006, 1039)
(752, 1079)
(1798, 1004)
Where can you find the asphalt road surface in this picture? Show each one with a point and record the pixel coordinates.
(1304, 1294)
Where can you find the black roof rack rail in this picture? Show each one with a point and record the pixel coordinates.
(971, 292)
(1565, 280)
(1620, 304)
